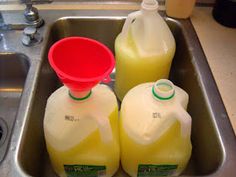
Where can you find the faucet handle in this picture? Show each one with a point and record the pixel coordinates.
(30, 32)
(31, 36)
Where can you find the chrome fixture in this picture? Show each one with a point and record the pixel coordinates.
(30, 18)
(31, 36)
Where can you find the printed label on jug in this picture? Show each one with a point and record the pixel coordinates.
(156, 115)
(149, 170)
(72, 118)
(85, 170)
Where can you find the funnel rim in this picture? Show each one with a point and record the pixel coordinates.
(81, 79)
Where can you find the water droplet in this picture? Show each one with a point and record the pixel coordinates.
(13, 148)
(18, 123)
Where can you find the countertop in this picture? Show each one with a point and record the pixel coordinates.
(219, 45)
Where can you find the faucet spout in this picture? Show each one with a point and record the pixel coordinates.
(31, 15)
(31, 18)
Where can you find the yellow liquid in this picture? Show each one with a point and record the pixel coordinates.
(169, 149)
(131, 69)
(91, 151)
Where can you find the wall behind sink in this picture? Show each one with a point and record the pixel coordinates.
(201, 1)
(17, 1)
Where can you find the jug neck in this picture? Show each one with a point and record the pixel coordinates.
(148, 6)
(163, 90)
(80, 96)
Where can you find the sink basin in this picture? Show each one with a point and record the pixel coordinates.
(189, 71)
(213, 139)
(13, 71)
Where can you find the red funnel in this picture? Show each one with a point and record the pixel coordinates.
(81, 63)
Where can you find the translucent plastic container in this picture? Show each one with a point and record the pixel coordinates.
(81, 119)
(179, 8)
(144, 49)
(83, 134)
(155, 130)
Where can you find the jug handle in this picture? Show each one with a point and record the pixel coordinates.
(104, 127)
(129, 21)
(185, 120)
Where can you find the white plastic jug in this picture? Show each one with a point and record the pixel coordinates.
(155, 130)
(83, 134)
(81, 118)
(144, 49)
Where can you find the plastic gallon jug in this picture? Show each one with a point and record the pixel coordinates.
(155, 130)
(144, 49)
(81, 122)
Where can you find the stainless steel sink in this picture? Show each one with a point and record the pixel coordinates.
(214, 143)
(13, 71)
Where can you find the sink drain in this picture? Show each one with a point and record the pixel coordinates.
(3, 131)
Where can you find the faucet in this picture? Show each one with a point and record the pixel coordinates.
(30, 18)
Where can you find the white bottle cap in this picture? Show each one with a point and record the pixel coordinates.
(163, 89)
(149, 5)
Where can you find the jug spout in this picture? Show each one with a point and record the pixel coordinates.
(163, 89)
(149, 5)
